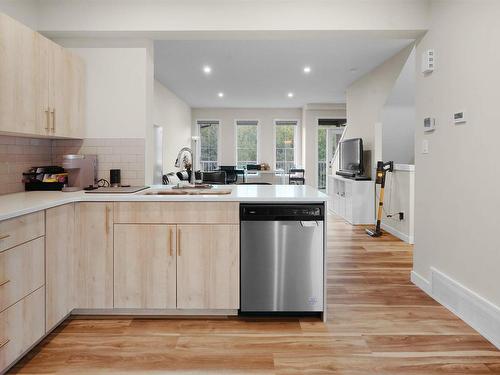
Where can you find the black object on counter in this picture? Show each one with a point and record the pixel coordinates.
(33, 179)
(115, 177)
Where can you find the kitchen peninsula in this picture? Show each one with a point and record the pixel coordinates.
(113, 254)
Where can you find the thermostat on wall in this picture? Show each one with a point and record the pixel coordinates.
(459, 117)
(429, 124)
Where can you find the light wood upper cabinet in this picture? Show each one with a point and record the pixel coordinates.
(208, 267)
(66, 92)
(145, 266)
(19, 83)
(94, 255)
(42, 85)
(59, 261)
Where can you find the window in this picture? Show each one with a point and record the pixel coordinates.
(246, 142)
(285, 143)
(209, 132)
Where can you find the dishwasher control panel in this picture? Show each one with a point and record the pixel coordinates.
(255, 212)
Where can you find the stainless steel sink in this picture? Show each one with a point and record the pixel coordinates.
(188, 192)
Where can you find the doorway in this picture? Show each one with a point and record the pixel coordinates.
(329, 135)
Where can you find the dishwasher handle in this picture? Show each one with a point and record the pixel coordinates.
(309, 224)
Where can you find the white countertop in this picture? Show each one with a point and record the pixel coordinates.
(12, 205)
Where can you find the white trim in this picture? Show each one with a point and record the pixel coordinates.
(479, 313)
(402, 236)
(295, 140)
(219, 138)
(236, 137)
(421, 282)
(404, 167)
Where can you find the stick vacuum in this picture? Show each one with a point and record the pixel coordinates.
(382, 169)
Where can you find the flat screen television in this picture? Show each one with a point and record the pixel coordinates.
(351, 157)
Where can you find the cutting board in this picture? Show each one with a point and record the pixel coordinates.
(117, 190)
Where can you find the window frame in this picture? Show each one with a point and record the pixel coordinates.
(236, 137)
(219, 123)
(295, 139)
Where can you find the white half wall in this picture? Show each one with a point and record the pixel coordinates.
(265, 116)
(400, 197)
(174, 115)
(457, 199)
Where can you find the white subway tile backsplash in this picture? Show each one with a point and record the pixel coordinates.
(18, 154)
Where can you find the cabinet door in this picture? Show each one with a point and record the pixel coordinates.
(94, 255)
(208, 266)
(144, 266)
(66, 92)
(18, 77)
(59, 272)
(21, 325)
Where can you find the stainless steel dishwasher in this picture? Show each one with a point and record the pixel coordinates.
(282, 257)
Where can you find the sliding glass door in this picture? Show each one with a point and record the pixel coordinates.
(329, 134)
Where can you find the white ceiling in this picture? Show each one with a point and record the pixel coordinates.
(260, 73)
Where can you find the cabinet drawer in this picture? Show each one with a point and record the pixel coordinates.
(177, 212)
(21, 271)
(21, 325)
(21, 229)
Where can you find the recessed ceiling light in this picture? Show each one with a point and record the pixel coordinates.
(307, 69)
(207, 69)
(353, 70)
(220, 94)
(290, 94)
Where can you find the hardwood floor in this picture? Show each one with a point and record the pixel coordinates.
(378, 323)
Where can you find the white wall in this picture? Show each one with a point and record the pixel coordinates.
(204, 15)
(398, 117)
(116, 86)
(119, 99)
(266, 117)
(311, 114)
(25, 11)
(457, 185)
(174, 115)
(366, 97)
(398, 134)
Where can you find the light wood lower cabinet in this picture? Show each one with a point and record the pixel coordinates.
(21, 229)
(93, 259)
(22, 270)
(208, 267)
(59, 256)
(145, 266)
(21, 325)
(159, 266)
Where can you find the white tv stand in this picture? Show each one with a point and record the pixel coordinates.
(352, 200)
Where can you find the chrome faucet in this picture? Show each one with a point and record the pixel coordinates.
(178, 162)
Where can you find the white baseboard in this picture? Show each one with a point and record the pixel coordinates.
(421, 282)
(403, 236)
(476, 311)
